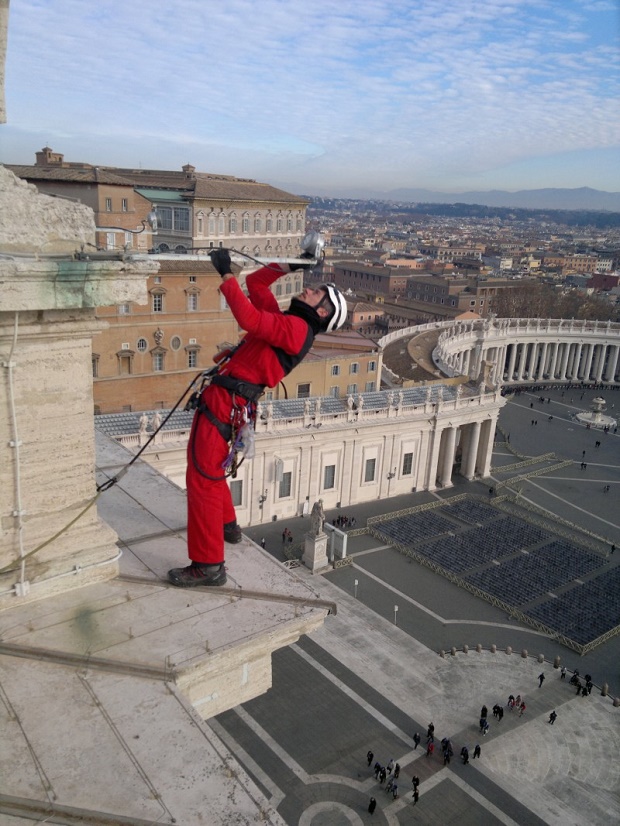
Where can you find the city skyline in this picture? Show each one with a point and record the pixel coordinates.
(509, 95)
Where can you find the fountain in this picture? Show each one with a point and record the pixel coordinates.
(595, 417)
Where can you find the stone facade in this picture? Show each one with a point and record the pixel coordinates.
(46, 325)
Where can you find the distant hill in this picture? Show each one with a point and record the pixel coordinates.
(580, 198)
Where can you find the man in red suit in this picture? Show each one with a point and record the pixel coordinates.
(274, 344)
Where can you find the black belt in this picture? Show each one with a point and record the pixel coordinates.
(224, 428)
(251, 392)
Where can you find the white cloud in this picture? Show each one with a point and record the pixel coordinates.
(389, 92)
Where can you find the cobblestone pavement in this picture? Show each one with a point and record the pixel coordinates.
(363, 682)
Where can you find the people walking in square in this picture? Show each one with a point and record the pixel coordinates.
(382, 775)
(415, 780)
(500, 713)
(377, 769)
(372, 805)
(430, 731)
(563, 673)
(477, 751)
(553, 717)
(396, 771)
(541, 679)
(416, 796)
(430, 748)
(262, 542)
(465, 755)
(522, 709)
(485, 729)
(416, 740)
(484, 711)
(369, 757)
(390, 765)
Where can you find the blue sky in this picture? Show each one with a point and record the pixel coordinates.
(323, 97)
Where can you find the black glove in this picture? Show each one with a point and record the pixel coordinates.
(309, 261)
(220, 259)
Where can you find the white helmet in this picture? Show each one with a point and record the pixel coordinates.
(337, 300)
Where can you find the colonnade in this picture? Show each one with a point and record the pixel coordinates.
(525, 350)
(559, 361)
(472, 441)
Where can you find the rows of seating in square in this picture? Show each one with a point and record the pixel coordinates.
(586, 611)
(472, 512)
(574, 560)
(519, 580)
(412, 528)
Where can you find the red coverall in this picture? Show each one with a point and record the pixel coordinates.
(209, 503)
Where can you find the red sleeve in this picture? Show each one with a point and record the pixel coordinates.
(279, 330)
(258, 283)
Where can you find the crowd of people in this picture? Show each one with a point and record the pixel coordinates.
(390, 773)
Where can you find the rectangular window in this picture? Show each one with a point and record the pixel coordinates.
(181, 219)
(354, 368)
(303, 391)
(257, 226)
(95, 367)
(285, 485)
(334, 392)
(108, 204)
(192, 358)
(407, 464)
(329, 477)
(269, 224)
(236, 492)
(246, 225)
(158, 362)
(351, 388)
(289, 288)
(372, 365)
(124, 205)
(192, 302)
(192, 279)
(110, 240)
(370, 387)
(369, 470)
(158, 303)
(278, 289)
(335, 369)
(124, 309)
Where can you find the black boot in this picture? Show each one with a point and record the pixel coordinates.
(198, 574)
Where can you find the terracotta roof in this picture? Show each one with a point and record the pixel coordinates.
(242, 190)
(80, 175)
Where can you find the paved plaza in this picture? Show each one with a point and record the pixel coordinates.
(372, 675)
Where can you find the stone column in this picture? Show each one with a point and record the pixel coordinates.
(432, 457)
(588, 362)
(47, 321)
(577, 361)
(522, 359)
(543, 359)
(554, 360)
(469, 470)
(448, 457)
(600, 362)
(612, 363)
(487, 434)
(511, 361)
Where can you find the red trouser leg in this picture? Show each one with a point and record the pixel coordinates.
(209, 503)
